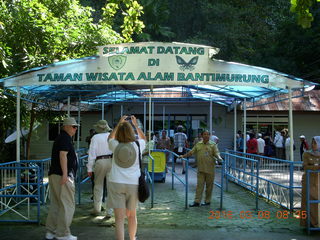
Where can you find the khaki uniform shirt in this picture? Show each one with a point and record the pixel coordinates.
(206, 154)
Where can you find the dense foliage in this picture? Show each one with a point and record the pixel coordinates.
(261, 33)
(38, 32)
(303, 9)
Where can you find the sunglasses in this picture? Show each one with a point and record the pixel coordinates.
(74, 127)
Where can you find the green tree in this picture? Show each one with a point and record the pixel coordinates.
(239, 28)
(38, 32)
(302, 9)
(155, 18)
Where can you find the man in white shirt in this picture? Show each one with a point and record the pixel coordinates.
(278, 142)
(261, 144)
(214, 138)
(99, 162)
(180, 145)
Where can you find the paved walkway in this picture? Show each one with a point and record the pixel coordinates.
(170, 220)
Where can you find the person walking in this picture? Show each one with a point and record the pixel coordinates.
(207, 152)
(269, 149)
(239, 141)
(214, 138)
(99, 163)
(124, 175)
(164, 144)
(164, 141)
(62, 173)
(287, 147)
(252, 144)
(278, 142)
(303, 145)
(261, 144)
(180, 145)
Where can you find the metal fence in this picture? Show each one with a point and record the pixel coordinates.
(24, 186)
(279, 180)
(185, 180)
(20, 185)
(276, 180)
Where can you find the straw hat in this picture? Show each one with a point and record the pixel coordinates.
(102, 126)
(125, 155)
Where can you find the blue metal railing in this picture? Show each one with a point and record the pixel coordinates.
(309, 202)
(11, 181)
(235, 163)
(185, 182)
(24, 189)
(244, 169)
(278, 179)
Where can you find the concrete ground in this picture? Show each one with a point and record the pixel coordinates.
(168, 219)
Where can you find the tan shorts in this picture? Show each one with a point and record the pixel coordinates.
(122, 195)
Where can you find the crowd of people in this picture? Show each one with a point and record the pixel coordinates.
(265, 145)
(115, 156)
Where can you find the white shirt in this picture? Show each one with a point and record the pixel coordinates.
(278, 139)
(180, 139)
(261, 144)
(128, 175)
(214, 138)
(287, 143)
(98, 147)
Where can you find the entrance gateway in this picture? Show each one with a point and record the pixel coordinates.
(155, 64)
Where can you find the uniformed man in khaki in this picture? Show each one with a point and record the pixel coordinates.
(206, 152)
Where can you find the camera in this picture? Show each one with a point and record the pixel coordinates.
(128, 118)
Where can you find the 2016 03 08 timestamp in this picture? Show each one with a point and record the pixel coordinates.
(281, 214)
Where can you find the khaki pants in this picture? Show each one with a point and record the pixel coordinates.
(62, 206)
(204, 179)
(102, 168)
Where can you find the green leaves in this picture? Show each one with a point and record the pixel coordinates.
(37, 32)
(301, 8)
(130, 11)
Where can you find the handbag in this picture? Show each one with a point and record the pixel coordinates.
(143, 188)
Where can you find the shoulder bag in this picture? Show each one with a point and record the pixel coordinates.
(143, 188)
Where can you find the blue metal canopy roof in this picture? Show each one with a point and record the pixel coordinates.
(95, 92)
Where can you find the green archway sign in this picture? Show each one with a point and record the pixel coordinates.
(155, 63)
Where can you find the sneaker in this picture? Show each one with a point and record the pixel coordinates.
(69, 237)
(195, 204)
(95, 213)
(205, 204)
(110, 212)
(50, 236)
